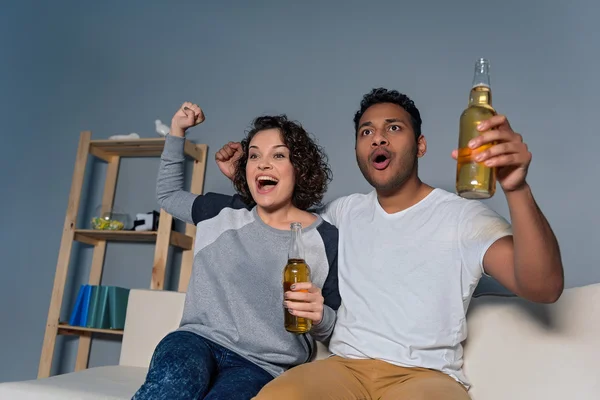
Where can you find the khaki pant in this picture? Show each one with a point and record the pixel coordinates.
(337, 378)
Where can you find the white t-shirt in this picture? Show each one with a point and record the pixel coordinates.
(406, 279)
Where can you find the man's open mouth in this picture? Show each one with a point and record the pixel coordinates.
(380, 159)
(266, 183)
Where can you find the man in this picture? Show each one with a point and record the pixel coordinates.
(410, 257)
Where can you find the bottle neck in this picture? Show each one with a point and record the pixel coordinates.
(481, 92)
(480, 95)
(296, 250)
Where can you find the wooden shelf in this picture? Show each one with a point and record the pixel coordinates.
(111, 152)
(92, 236)
(106, 149)
(66, 329)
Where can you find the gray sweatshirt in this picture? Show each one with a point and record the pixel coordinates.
(235, 294)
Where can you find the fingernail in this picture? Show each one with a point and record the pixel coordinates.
(472, 144)
(480, 126)
(293, 287)
(478, 158)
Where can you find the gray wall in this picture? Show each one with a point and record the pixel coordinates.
(114, 68)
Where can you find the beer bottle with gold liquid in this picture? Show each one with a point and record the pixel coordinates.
(475, 180)
(296, 271)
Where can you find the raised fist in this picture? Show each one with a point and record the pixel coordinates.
(188, 115)
(227, 156)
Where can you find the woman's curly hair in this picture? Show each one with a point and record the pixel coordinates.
(308, 159)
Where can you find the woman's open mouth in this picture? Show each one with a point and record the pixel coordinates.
(266, 183)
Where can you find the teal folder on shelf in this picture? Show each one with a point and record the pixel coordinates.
(100, 307)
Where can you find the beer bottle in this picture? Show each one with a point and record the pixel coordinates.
(475, 180)
(296, 271)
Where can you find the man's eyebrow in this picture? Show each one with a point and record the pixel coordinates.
(367, 123)
(390, 120)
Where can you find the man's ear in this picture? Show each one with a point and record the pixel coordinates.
(421, 146)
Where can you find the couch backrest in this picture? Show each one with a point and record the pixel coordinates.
(151, 315)
(520, 350)
(515, 349)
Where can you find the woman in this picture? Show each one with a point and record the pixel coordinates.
(232, 339)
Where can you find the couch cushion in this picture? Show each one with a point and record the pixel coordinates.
(520, 350)
(151, 315)
(113, 382)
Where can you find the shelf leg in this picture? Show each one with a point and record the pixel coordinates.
(161, 251)
(64, 256)
(187, 258)
(108, 198)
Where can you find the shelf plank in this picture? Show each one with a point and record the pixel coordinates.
(106, 149)
(66, 329)
(181, 240)
(92, 236)
(128, 148)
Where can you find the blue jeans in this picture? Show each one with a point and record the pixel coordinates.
(188, 366)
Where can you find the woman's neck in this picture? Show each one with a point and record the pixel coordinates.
(282, 217)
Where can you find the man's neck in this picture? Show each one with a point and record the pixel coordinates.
(410, 193)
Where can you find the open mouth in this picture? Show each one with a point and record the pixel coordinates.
(380, 159)
(266, 183)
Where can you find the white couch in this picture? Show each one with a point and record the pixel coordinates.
(516, 350)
